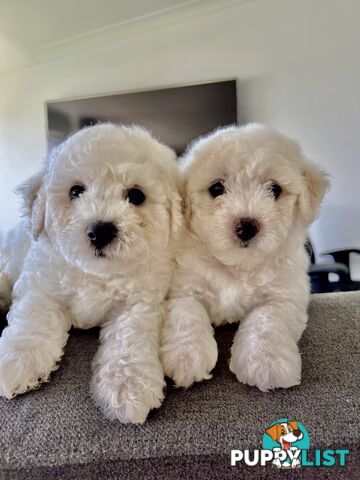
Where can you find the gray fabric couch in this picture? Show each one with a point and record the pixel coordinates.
(57, 432)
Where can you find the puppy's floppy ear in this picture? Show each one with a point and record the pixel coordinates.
(293, 424)
(175, 205)
(273, 431)
(177, 219)
(185, 202)
(314, 185)
(173, 180)
(32, 193)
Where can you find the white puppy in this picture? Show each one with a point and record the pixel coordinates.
(102, 216)
(250, 197)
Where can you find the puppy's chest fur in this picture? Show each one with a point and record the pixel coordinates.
(229, 299)
(227, 295)
(92, 301)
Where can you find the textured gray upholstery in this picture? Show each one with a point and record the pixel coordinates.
(57, 432)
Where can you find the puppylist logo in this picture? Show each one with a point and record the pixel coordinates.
(286, 444)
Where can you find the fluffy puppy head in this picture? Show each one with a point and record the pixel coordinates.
(107, 198)
(247, 190)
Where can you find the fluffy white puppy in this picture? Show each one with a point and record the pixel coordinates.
(250, 197)
(101, 218)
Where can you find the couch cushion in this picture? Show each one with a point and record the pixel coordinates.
(57, 432)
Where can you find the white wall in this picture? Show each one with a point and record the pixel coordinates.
(298, 68)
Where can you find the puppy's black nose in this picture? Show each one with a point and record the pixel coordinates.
(101, 234)
(297, 433)
(247, 228)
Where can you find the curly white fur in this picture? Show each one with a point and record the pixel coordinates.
(60, 281)
(262, 283)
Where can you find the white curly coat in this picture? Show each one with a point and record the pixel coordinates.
(217, 280)
(59, 282)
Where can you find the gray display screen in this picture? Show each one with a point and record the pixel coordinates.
(176, 116)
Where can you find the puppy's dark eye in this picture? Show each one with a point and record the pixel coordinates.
(135, 196)
(216, 189)
(76, 191)
(275, 190)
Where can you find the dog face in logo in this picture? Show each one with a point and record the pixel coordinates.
(285, 433)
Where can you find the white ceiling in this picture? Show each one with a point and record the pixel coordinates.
(30, 26)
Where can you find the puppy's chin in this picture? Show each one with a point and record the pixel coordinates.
(97, 262)
(77, 252)
(239, 257)
(93, 262)
(246, 255)
(115, 259)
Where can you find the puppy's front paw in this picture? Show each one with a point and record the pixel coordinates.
(265, 367)
(128, 393)
(24, 365)
(186, 363)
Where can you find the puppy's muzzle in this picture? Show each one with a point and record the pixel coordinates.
(101, 234)
(246, 229)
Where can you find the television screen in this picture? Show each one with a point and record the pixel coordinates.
(176, 116)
